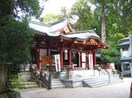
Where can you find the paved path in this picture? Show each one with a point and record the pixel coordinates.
(120, 90)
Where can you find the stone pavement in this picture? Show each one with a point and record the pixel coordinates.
(120, 90)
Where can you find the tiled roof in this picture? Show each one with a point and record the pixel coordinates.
(45, 28)
(124, 44)
(52, 30)
(126, 59)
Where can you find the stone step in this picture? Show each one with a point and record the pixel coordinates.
(28, 85)
(105, 84)
(56, 83)
(58, 86)
(98, 82)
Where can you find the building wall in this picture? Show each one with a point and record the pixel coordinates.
(127, 68)
(125, 52)
(86, 60)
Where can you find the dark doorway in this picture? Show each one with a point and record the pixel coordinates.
(75, 59)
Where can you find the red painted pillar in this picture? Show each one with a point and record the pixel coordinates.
(48, 52)
(38, 58)
(69, 57)
(61, 57)
(80, 59)
(94, 58)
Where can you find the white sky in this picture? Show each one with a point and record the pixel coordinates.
(54, 6)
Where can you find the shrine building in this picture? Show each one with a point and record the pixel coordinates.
(60, 41)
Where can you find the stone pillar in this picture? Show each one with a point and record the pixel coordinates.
(131, 68)
(122, 70)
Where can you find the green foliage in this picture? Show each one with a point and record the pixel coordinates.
(110, 55)
(50, 18)
(10, 7)
(118, 23)
(83, 11)
(15, 35)
(15, 82)
(14, 40)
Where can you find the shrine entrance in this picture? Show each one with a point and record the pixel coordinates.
(75, 59)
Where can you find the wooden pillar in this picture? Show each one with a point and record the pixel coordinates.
(94, 58)
(80, 59)
(87, 61)
(61, 57)
(69, 57)
(38, 58)
(48, 51)
(79, 56)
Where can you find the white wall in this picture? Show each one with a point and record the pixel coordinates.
(125, 53)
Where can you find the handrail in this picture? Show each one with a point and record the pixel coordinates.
(42, 76)
(108, 75)
(119, 73)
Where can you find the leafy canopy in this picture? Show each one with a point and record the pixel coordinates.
(13, 7)
(50, 18)
(15, 36)
(14, 41)
(118, 22)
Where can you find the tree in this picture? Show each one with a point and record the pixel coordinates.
(11, 7)
(50, 18)
(14, 35)
(83, 11)
(117, 22)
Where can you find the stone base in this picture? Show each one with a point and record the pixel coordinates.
(10, 94)
(72, 83)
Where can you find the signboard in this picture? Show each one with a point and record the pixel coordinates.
(47, 59)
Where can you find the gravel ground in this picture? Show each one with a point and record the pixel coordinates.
(120, 90)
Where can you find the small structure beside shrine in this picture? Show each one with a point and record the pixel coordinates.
(126, 55)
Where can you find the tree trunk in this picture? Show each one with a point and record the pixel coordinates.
(103, 26)
(3, 79)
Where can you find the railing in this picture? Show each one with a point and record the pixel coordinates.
(98, 69)
(108, 75)
(118, 73)
(24, 68)
(46, 79)
(115, 72)
(41, 76)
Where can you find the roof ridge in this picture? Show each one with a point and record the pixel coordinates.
(85, 31)
(49, 24)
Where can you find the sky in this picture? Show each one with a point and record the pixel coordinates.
(54, 6)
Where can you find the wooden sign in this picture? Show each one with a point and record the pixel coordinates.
(47, 59)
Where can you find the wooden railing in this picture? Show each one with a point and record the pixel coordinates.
(41, 76)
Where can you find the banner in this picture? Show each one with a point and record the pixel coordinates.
(91, 61)
(57, 62)
(47, 59)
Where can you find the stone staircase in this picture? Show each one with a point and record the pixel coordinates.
(56, 83)
(25, 85)
(103, 80)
